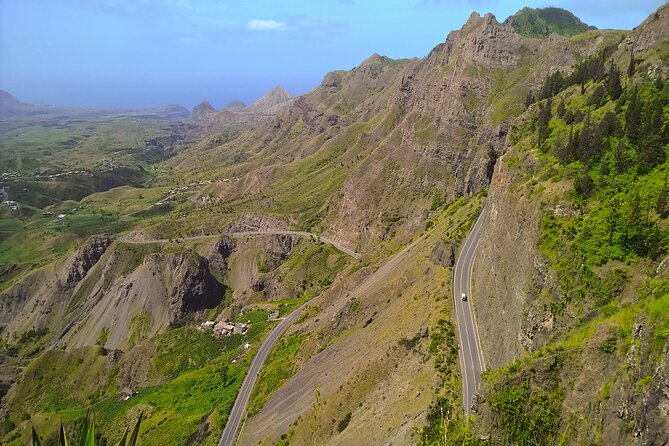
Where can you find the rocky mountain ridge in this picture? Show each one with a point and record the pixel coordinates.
(394, 159)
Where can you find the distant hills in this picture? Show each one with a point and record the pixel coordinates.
(239, 114)
(541, 22)
(268, 105)
(11, 107)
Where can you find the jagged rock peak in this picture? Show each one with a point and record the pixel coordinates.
(203, 108)
(476, 20)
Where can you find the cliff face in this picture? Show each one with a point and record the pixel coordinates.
(510, 272)
(389, 135)
(588, 361)
(35, 301)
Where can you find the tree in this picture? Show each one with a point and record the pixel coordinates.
(651, 152)
(662, 203)
(589, 143)
(529, 100)
(568, 152)
(614, 86)
(561, 109)
(619, 159)
(597, 95)
(543, 120)
(631, 68)
(609, 125)
(584, 184)
(633, 117)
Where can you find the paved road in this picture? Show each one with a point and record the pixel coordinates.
(471, 357)
(125, 238)
(239, 409)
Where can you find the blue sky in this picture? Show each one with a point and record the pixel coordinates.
(135, 53)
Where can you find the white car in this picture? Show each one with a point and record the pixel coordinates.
(464, 297)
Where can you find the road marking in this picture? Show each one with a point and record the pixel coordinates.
(465, 317)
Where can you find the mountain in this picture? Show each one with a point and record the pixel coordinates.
(273, 101)
(12, 107)
(541, 22)
(234, 106)
(560, 146)
(202, 109)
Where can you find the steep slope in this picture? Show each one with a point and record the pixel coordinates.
(393, 159)
(364, 156)
(560, 280)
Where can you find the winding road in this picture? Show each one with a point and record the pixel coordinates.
(471, 357)
(239, 409)
(125, 238)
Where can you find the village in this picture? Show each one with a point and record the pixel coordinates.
(223, 327)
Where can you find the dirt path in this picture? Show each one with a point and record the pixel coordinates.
(126, 238)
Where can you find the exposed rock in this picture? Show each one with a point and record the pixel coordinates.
(443, 254)
(218, 254)
(256, 223)
(87, 256)
(193, 287)
(650, 33)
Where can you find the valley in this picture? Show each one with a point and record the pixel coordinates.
(522, 164)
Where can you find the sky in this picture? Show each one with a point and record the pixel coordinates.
(143, 53)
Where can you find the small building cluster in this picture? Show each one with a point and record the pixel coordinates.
(54, 176)
(8, 175)
(14, 206)
(200, 183)
(224, 327)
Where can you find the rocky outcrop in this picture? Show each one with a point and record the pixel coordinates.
(650, 33)
(87, 256)
(193, 287)
(253, 223)
(40, 296)
(443, 254)
(219, 253)
(510, 272)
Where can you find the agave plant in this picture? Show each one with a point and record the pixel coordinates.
(87, 437)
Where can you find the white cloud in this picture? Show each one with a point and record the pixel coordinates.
(267, 25)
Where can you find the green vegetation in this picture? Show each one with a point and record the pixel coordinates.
(195, 376)
(542, 22)
(283, 361)
(527, 417)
